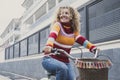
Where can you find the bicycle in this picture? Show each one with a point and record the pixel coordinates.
(86, 65)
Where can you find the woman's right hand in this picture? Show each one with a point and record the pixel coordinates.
(47, 49)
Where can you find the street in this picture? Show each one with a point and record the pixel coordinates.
(13, 76)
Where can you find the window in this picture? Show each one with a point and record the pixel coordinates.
(33, 44)
(82, 22)
(43, 38)
(41, 11)
(16, 50)
(104, 20)
(102, 7)
(111, 5)
(7, 53)
(28, 3)
(11, 52)
(29, 21)
(51, 4)
(23, 48)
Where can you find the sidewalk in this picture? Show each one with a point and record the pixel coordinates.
(4, 78)
(12, 76)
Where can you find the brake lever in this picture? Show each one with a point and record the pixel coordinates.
(96, 53)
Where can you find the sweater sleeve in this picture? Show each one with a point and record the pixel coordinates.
(53, 34)
(84, 42)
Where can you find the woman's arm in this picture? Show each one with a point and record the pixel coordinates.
(52, 37)
(84, 42)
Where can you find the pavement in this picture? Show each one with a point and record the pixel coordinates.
(4, 78)
(12, 76)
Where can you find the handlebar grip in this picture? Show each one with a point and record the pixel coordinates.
(53, 50)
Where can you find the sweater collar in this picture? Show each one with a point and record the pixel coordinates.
(68, 24)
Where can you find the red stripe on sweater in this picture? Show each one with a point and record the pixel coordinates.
(81, 40)
(62, 57)
(52, 34)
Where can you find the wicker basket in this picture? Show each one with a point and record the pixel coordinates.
(93, 69)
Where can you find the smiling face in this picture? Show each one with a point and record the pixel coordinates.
(68, 15)
(64, 15)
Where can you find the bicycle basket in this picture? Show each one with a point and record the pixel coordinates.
(93, 69)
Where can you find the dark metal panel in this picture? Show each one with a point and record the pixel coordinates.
(103, 20)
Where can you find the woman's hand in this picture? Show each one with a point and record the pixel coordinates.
(47, 49)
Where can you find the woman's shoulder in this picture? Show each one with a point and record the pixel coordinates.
(57, 24)
(76, 33)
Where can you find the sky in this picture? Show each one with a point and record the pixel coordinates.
(9, 9)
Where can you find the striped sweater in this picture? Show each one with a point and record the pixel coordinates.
(63, 38)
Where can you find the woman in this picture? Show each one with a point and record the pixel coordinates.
(64, 33)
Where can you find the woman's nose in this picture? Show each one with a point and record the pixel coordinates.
(63, 14)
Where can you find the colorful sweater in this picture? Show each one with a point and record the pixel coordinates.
(63, 38)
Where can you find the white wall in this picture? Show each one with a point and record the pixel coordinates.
(2, 55)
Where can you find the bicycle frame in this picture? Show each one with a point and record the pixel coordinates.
(56, 51)
(76, 60)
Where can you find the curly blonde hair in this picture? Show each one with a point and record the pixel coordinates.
(74, 14)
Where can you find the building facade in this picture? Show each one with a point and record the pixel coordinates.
(10, 35)
(34, 26)
(100, 24)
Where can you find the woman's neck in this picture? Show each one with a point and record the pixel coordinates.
(67, 24)
(67, 27)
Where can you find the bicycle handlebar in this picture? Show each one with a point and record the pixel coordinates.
(96, 53)
(57, 51)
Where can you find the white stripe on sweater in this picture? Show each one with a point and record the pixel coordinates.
(63, 32)
(62, 45)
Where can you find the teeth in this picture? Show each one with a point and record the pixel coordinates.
(63, 17)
